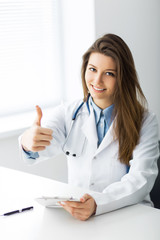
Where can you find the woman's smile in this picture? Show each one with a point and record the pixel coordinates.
(97, 89)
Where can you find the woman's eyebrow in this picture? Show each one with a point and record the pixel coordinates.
(91, 65)
(113, 70)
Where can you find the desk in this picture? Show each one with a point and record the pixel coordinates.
(19, 189)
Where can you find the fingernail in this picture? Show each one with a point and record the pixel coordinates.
(63, 203)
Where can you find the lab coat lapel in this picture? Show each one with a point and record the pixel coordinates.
(89, 129)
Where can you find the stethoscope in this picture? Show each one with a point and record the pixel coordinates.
(67, 151)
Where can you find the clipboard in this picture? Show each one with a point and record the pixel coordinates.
(52, 202)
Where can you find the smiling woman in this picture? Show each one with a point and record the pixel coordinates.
(110, 138)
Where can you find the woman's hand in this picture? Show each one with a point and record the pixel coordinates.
(81, 210)
(36, 138)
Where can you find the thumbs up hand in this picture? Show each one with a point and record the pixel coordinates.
(36, 138)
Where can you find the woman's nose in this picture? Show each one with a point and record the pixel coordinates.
(98, 79)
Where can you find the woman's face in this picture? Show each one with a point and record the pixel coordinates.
(100, 77)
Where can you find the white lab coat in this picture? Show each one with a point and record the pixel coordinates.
(99, 169)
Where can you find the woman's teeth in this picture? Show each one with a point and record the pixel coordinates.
(98, 89)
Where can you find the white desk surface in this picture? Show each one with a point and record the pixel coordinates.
(18, 190)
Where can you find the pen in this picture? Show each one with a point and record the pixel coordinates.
(17, 211)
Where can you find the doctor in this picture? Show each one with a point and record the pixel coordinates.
(110, 138)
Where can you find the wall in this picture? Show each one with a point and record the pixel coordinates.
(138, 23)
(78, 34)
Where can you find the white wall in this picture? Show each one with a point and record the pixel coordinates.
(78, 34)
(138, 23)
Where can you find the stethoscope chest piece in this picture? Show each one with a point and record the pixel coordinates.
(68, 153)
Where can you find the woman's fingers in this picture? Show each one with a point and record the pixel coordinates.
(37, 149)
(42, 133)
(81, 210)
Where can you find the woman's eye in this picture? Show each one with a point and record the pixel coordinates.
(92, 69)
(110, 74)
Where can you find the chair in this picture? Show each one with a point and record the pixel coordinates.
(155, 193)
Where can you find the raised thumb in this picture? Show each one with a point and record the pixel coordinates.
(39, 116)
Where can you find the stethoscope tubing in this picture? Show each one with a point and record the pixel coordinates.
(80, 106)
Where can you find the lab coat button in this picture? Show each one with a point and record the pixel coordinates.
(67, 153)
(92, 184)
(74, 155)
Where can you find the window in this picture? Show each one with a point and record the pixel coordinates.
(41, 48)
(30, 55)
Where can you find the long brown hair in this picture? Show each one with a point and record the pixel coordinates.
(129, 100)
